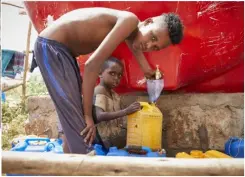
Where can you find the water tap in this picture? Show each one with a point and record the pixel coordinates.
(158, 73)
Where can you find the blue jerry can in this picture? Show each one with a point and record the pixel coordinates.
(99, 150)
(114, 151)
(37, 144)
(235, 147)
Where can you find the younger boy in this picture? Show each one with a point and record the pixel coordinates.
(108, 114)
(110, 117)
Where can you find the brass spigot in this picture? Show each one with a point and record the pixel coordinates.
(158, 73)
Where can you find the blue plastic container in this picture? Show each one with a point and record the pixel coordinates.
(28, 146)
(3, 97)
(99, 150)
(114, 151)
(234, 147)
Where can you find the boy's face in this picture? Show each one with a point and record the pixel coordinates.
(151, 36)
(111, 76)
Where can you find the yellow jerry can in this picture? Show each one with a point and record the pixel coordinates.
(215, 154)
(144, 127)
(183, 155)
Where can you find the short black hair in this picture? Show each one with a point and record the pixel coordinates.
(175, 27)
(110, 60)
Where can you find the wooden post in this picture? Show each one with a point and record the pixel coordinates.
(26, 65)
(78, 165)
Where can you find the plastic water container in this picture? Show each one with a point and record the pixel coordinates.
(197, 154)
(144, 127)
(38, 145)
(114, 151)
(215, 154)
(3, 97)
(200, 154)
(15, 141)
(99, 150)
(183, 155)
(235, 147)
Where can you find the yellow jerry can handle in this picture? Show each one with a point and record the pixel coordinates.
(146, 106)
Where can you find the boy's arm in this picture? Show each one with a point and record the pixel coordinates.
(106, 116)
(121, 30)
(140, 57)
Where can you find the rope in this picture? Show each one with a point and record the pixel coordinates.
(6, 3)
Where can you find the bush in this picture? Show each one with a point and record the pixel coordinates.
(13, 119)
(13, 114)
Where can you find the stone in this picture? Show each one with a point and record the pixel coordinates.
(42, 118)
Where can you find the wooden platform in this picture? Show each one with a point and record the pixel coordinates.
(74, 165)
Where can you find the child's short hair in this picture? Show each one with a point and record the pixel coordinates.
(175, 27)
(108, 61)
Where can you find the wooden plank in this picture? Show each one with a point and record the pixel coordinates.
(74, 164)
(7, 88)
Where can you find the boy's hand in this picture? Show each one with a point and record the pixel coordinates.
(132, 108)
(89, 131)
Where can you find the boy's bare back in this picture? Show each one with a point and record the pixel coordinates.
(83, 30)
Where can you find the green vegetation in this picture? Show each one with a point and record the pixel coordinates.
(13, 114)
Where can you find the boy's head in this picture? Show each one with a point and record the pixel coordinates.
(111, 72)
(158, 32)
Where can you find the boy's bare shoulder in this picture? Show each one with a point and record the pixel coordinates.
(99, 90)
